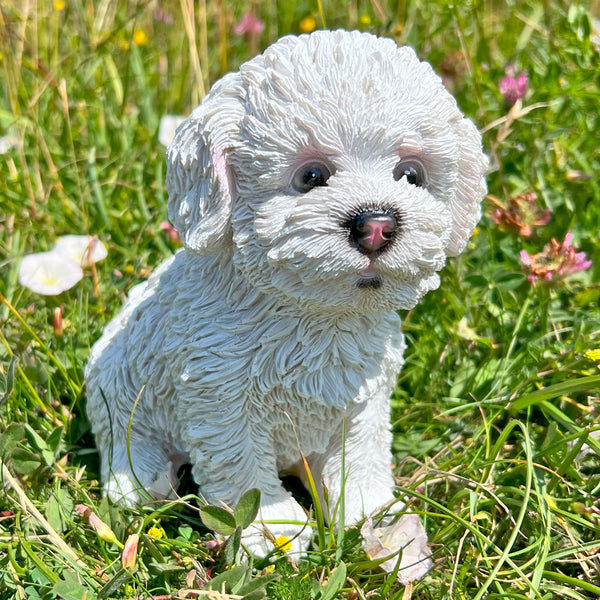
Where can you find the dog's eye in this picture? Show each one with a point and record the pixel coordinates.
(410, 169)
(310, 176)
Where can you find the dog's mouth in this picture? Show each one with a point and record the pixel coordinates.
(369, 279)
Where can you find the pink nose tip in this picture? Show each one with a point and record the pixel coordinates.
(372, 231)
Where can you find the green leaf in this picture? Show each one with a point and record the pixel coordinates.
(233, 545)
(257, 584)
(10, 439)
(218, 519)
(229, 580)
(25, 462)
(255, 595)
(186, 533)
(53, 514)
(32, 593)
(559, 389)
(59, 505)
(334, 583)
(247, 508)
(8, 380)
(71, 590)
(55, 438)
(34, 438)
(122, 576)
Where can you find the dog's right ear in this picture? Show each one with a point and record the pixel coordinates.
(199, 180)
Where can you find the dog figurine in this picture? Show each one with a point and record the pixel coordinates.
(316, 191)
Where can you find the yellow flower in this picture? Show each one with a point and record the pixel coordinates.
(156, 533)
(307, 24)
(364, 20)
(140, 38)
(59, 4)
(593, 355)
(283, 544)
(124, 44)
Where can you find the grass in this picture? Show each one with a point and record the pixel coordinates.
(495, 410)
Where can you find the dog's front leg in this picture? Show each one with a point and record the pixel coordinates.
(367, 482)
(228, 461)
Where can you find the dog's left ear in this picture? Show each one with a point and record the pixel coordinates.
(199, 180)
(470, 186)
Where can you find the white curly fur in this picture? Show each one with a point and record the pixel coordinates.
(257, 338)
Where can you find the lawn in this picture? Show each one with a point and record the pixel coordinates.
(496, 416)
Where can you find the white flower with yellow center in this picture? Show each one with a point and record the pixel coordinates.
(49, 273)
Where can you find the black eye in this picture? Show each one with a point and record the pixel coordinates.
(309, 176)
(412, 170)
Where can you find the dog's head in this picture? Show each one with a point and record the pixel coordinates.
(335, 168)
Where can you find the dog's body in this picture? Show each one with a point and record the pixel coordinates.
(315, 191)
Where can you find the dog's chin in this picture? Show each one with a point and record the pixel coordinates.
(374, 290)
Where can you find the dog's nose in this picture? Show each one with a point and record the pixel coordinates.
(372, 231)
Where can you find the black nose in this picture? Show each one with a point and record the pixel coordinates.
(372, 231)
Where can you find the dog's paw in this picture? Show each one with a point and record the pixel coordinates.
(120, 488)
(283, 524)
(125, 489)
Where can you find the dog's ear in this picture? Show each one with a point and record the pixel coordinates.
(470, 186)
(199, 180)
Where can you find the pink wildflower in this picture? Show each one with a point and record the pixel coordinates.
(522, 214)
(170, 230)
(249, 25)
(511, 87)
(100, 527)
(161, 15)
(130, 550)
(556, 260)
(213, 544)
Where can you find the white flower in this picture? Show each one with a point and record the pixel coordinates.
(81, 249)
(407, 535)
(48, 273)
(166, 128)
(8, 142)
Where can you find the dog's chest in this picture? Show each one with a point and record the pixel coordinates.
(283, 369)
(283, 359)
(304, 375)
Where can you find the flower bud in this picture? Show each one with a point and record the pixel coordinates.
(57, 321)
(100, 527)
(129, 554)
